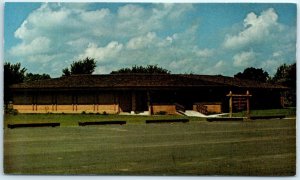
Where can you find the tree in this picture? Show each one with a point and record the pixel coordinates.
(149, 69)
(66, 72)
(85, 66)
(13, 73)
(35, 77)
(286, 76)
(253, 74)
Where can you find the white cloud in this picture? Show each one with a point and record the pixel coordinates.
(180, 64)
(36, 46)
(131, 12)
(219, 67)
(141, 41)
(277, 54)
(271, 65)
(102, 54)
(163, 34)
(244, 59)
(256, 29)
(204, 53)
(97, 16)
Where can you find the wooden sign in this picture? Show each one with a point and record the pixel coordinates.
(239, 101)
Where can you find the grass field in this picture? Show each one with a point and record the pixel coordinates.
(73, 119)
(264, 147)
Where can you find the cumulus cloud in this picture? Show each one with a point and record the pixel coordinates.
(72, 30)
(204, 53)
(102, 53)
(141, 41)
(36, 46)
(244, 59)
(56, 34)
(256, 29)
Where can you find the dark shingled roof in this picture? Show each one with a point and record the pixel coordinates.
(142, 81)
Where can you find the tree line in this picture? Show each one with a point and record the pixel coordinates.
(14, 73)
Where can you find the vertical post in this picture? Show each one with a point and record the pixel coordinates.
(55, 102)
(76, 102)
(133, 102)
(32, 102)
(230, 104)
(149, 103)
(94, 102)
(73, 102)
(248, 104)
(97, 101)
(117, 102)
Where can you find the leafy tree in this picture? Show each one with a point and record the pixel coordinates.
(253, 74)
(66, 72)
(149, 69)
(34, 77)
(85, 66)
(286, 76)
(13, 73)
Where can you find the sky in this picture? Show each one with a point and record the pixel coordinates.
(199, 38)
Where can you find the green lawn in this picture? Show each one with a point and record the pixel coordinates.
(288, 112)
(264, 147)
(73, 119)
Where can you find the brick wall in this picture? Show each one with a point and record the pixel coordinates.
(211, 107)
(168, 108)
(110, 109)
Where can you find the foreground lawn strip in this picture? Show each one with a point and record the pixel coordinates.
(74, 119)
(287, 112)
(206, 148)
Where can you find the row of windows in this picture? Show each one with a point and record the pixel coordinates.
(64, 99)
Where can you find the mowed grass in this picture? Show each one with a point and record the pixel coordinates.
(288, 112)
(73, 119)
(264, 148)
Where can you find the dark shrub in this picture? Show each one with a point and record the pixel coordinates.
(11, 111)
(104, 113)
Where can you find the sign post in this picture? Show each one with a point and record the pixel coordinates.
(239, 101)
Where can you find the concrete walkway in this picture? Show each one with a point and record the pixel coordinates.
(198, 114)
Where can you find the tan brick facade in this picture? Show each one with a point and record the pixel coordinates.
(168, 108)
(110, 109)
(211, 107)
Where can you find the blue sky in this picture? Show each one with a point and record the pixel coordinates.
(183, 38)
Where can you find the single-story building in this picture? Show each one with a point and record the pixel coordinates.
(134, 93)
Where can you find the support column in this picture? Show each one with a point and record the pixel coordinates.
(230, 104)
(117, 103)
(72, 102)
(248, 104)
(133, 102)
(149, 103)
(94, 102)
(55, 102)
(32, 102)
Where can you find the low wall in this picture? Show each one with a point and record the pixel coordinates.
(168, 108)
(110, 109)
(24, 108)
(212, 107)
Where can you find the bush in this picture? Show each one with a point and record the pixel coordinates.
(83, 112)
(11, 111)
(104, 113)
